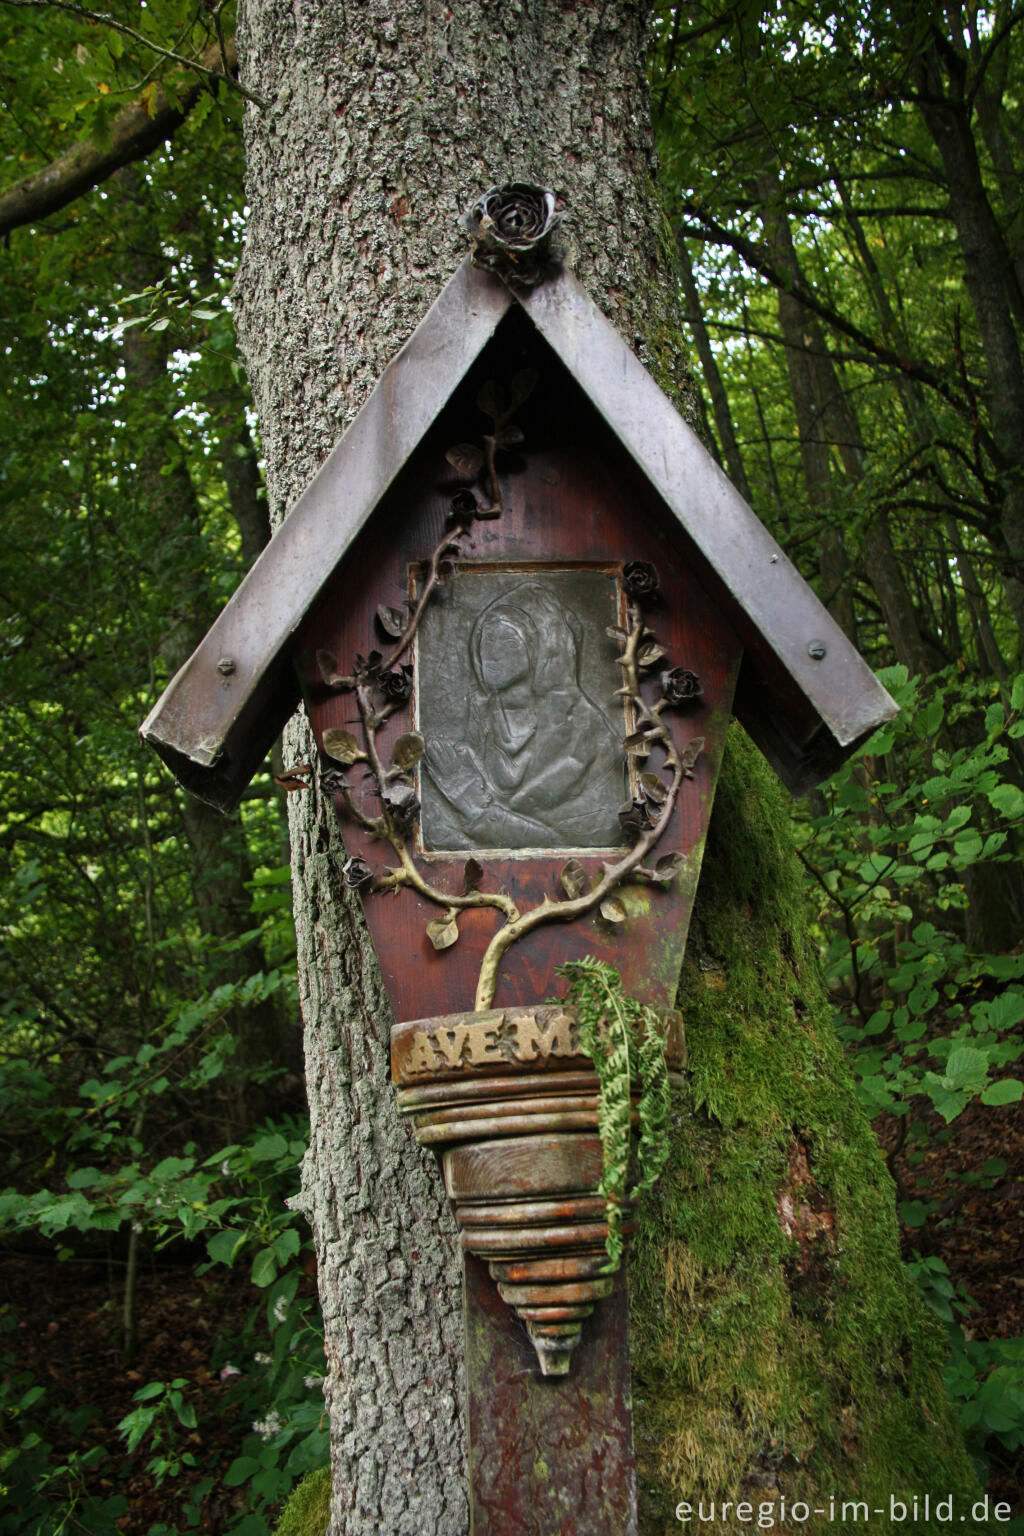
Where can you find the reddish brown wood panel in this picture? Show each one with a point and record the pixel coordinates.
(547, 1457)
(571, 496)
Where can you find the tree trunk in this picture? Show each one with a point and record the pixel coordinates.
(218, 853)
(379, 134)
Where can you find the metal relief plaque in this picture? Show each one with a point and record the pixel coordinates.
(516, 701)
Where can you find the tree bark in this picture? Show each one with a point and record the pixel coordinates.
(382, 129)
(990, 277)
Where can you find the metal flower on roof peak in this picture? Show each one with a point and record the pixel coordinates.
(511, 229)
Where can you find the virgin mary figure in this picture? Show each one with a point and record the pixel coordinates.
(539, 764)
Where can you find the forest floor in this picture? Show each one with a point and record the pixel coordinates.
(68, 1321)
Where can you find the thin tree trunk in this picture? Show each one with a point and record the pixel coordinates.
(712, 376)
(991, 281)
(219, 858)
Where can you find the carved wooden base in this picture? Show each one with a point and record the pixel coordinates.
(511, 1103)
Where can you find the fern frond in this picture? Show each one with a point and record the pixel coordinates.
(623, 1038)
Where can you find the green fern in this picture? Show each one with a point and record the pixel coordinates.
(625, 1040)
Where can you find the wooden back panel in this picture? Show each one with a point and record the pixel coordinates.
(572, 499)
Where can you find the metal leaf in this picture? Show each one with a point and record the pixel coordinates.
(342, 746)
(466, 459)
(615, 632)
(639, 743)
(689, 755)
(492, 400)
(668, 867)
(654, 788)
(573, 879)
(472, 874)
(522, 387)
(391, 621)
(327, 666)
(612, 910)
(443, 932)
(509, 436)
(293, 778)
(408, 750)
(649, 653)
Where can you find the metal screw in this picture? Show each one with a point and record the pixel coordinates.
(225, 666)
(817, 650)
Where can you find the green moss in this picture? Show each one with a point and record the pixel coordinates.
(780, 1349)
(308, 1511)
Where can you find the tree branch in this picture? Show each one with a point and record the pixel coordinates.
(134, 134)
(760, 261)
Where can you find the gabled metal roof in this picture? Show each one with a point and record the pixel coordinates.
(805, 694)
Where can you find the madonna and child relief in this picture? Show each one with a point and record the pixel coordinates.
(516, 702)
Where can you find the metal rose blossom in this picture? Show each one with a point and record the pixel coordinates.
(396, 685)
(680, 686)
(640, 579)
(511, 228)
(357, 872)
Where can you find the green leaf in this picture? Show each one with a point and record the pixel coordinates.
(287, 1244)
(1008, 800)
(224, 1246)
(240, 1471)
(966, 1067)
(264, 1267)
(1006, 1091)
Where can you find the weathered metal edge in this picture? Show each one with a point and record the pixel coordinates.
(840, 686)
(219, 714)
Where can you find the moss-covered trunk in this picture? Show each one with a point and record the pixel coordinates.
(781, 1350)
(384, 121)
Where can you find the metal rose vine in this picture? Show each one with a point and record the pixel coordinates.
(382, 683)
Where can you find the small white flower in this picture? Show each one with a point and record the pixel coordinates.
(267, 1428)
(225, 1168)
(309, 1382)
(228, 1372)
(280, 1309)
(262, 1359)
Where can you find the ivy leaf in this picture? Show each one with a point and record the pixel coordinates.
(408, 750)
(343, 747)
(573, 878)
(472, 875)
(509, 436)
(466, 459)
(443, 932)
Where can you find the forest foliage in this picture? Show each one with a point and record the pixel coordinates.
(845, 188)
